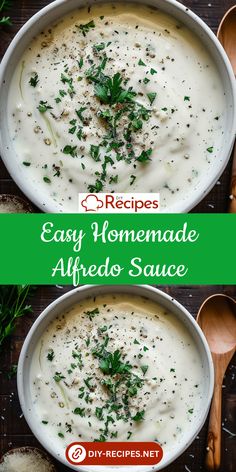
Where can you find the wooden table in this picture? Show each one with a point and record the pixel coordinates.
(14, 431)
(210, 11)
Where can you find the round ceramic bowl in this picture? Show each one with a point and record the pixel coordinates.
(66, 302)
(59, 8)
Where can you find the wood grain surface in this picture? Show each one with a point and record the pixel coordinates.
(14, 431)
(211, 11)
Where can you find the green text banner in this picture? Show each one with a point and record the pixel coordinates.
(118, 249)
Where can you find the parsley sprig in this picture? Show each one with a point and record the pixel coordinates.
(5, 5)
(110, 91)
(13, 305)
(121, 385)
(85, 28)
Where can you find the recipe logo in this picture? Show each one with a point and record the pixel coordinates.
(119, 203)
(114, 453)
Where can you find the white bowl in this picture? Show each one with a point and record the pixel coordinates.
(75, 296)
(59, 8)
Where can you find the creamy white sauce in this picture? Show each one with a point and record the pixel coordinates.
(154, 55)
(71, 400)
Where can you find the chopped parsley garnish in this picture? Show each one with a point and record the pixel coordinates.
(153, 71)
(190, 411)
(61, 435)
(95, 188)
(79, 411)
(78, 356)
(103, 329)
(144, 369)
(139, 416)
(113, 179)
(72, 130)
(186, 98)
(34, 80)
(121, 107)
(58, 377)
(111, 364)
(141, 63)
(69, 82)
(50, 355)
(210, 149)
(110, 91)
(87, 383)
(71, 150)
(95, 152)
(79, 113)
(81, 63)
(99, 47)
(43, 106)
(85, 28)
(92, 313)
(47, 180)
(144, 156)
(44, 422)
(66, 80)
(151, 96)
(27, 164)
(99, 413)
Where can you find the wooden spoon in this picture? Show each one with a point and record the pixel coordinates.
(36, 455)
(217, 319)
(227, 35)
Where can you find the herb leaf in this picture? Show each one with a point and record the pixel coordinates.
(12, 306)
(34, 80)
(92, 313)
(84, 28)
(58, 377)
(139, 416)
(5, 5)
(210, 149)
(110, 91)
(144, 156)
(151, 96)
(71, 150)
(79, 411)
(43, 106)
(50, 355)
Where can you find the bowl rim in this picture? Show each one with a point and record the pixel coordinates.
(87, 291)
(185, 205)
